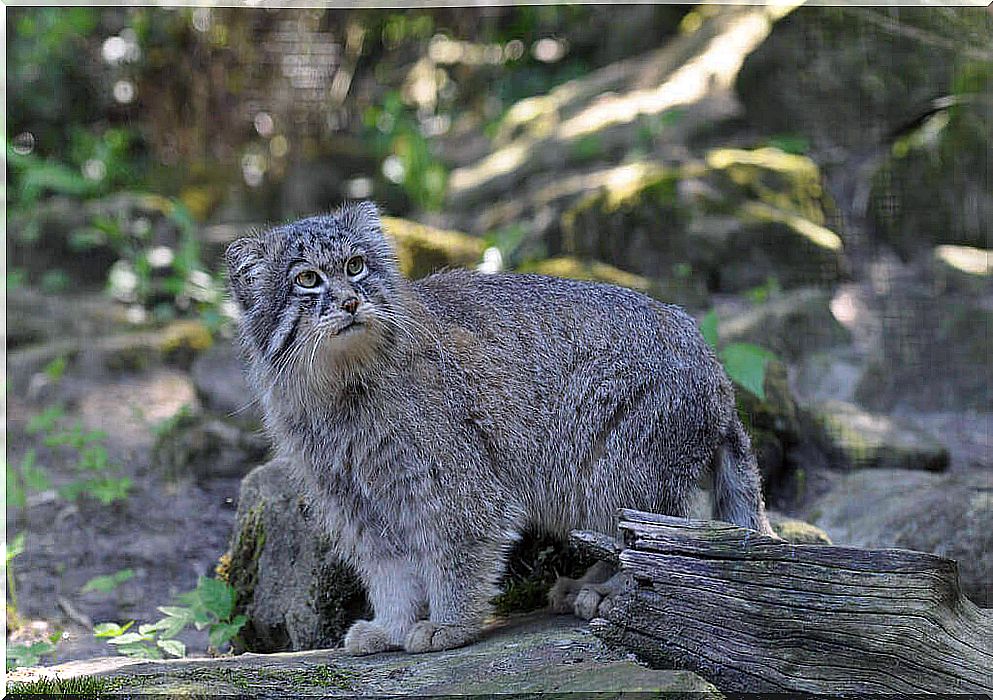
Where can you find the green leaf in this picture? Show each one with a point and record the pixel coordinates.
(14, 548)
(140, 650)
(169, 627)
(172, 647)
(708, 328)
(221, 633)
(132, 638)
(217, 597)
(46, 420)
(745, 364)
(175, 611)
(16, 498)
(110, 629)
(105, 584)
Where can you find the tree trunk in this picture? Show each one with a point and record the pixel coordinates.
(754, 614)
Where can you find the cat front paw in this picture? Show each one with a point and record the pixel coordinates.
(587, 603)
(365, 637)
(562, 595)
(431, 636)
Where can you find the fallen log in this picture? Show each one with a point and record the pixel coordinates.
(754, 614)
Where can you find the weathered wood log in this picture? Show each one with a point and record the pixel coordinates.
(754, 614)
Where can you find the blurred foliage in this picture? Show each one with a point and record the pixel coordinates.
(217, 115)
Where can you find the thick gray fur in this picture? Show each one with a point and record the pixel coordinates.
(459, 410)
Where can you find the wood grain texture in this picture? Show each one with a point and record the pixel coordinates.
(755, 614)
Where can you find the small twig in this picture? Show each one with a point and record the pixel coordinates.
(73, 614)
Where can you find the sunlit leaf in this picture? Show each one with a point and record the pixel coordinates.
(745, 364)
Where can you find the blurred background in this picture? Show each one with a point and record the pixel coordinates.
(812, 183)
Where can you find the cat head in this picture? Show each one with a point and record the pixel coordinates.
(322, 294)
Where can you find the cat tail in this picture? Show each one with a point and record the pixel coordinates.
(737, 493)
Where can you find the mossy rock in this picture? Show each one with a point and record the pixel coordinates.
(680, 290)
(727, 226)
(850, 76)
(792, 324)
(298, 595)
(797, 531)
(962, 269)
(863, 440)
(207, 447)
(177, 343)
(785, 181)
(777, 412)
(293, 590)
(935, 354)
(423, 249)
(935, 186)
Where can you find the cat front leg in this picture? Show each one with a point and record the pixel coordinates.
(459, 591)
(398, 599)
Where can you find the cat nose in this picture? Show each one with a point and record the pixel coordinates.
(350, 304)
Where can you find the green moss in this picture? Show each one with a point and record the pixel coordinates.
(217, 679)
(338, 595)
(240, 567)
(423, 249)
(778, 179)
(83, 685)
(799, 532)
(591, 270)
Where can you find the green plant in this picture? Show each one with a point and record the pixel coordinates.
(209, 606)
(12, 550)
(32, 654)
(56, 369)
(24, 478)
(764, 292)
(790, 143)
(106, 584)
(407, 158)
(745, 363)
(96, 474)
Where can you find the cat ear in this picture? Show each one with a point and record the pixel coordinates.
(244, 259)
(361, 217)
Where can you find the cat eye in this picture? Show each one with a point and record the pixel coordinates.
(355, 266)
(308, 279)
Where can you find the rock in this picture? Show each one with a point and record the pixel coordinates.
(34, 317)
(176, 344)
(423, 249)
(667, 94)
(533, 656)
(792, 324)
(828, 375)
(935, 353)
(797, 531)
(207, 447)
(668, 290)
(295, 592)
(222, 387)
(773, 423)
(850, 76)
(963, 269)
(950, 515)
(713, 224)
(863, 440)
(934, 185)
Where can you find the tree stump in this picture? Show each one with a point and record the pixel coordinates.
(755, 614)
